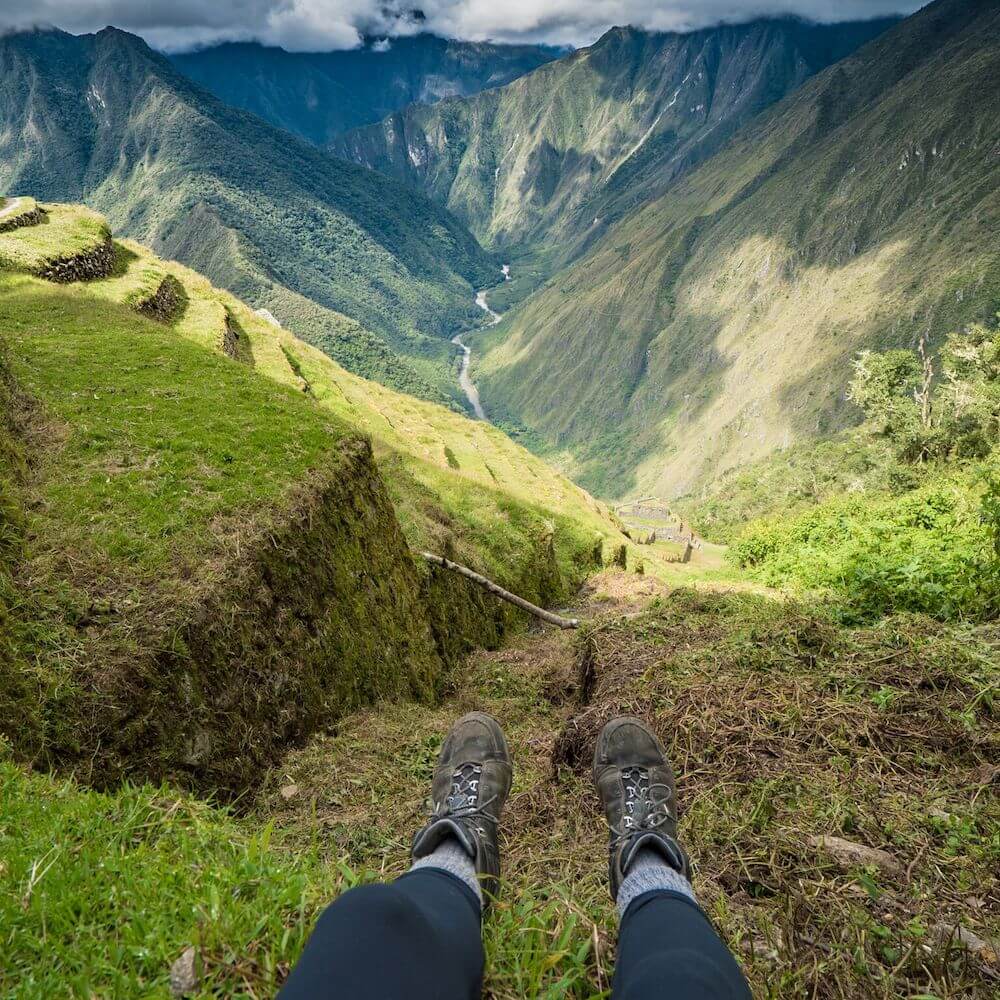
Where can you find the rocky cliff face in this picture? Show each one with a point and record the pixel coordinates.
(559, 152)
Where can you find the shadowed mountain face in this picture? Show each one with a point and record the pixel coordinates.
(318, 95)
(104, 119)
(558, 153)
(718, 322)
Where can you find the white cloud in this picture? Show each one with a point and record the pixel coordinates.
(332, 24)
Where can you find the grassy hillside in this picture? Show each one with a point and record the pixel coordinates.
(318, 95)
(717, 323)
(103, 119)
(537, 160)
(196, 516)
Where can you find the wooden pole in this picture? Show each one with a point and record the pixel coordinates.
(506, 595)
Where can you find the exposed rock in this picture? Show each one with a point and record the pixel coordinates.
(961, 937)
(267, 316)
(235, 343)
(29, 218)
(184, 974)
(163, 304)
(97, 262)
(850, 854)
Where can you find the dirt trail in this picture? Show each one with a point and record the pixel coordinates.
(9, 208)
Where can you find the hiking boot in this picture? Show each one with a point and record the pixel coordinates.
(636, 786)
(471, 783)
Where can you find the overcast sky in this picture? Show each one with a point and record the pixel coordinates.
(310, 25)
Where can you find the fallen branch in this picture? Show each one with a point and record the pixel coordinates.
(506, 595)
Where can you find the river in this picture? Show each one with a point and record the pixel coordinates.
(464, 381)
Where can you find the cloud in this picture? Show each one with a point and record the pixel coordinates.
(313, 25)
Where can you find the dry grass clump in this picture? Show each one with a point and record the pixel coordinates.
(785, 730)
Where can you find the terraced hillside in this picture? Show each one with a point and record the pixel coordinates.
(717, 323)
(204, 555)
(539, 160)
(374, 275)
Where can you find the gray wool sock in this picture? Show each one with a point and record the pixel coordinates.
(649, 871)
(450, 856)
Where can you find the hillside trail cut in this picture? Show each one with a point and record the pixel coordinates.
(465, 382)
(10, 207)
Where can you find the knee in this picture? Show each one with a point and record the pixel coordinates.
(377, 904)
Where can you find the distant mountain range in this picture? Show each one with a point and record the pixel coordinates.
(558, 152)
(318, 95)
(374, 274)
(705, 228)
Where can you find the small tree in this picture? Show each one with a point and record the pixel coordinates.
(886, 386)
(923, 416)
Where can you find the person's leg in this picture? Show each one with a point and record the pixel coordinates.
(419, 938)
(667, 947)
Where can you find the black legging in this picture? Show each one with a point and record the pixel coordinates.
(419, 939)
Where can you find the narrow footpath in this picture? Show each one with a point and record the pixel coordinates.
(10, 206)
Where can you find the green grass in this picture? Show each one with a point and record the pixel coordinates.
(102, 892)
(67, 230)
(135, 279)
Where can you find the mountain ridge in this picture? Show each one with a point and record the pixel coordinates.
(717, 322)
(358, 263)
(318, 95)
(526, 164)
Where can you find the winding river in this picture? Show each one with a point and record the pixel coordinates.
(464, 381)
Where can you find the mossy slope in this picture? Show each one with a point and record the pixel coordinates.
(211, 563)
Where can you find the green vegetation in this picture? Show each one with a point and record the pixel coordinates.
(783, 725)
(178, 507)
(209, 578)
(541, 160)
(69, 231)
(931, 550)
(715, 324)
(934, 547)
(102, 892)
(370, 272)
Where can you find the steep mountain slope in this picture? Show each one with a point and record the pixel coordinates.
(317, 95)
(718, 322)
(102, 118)
(203, 556)
(527, 161)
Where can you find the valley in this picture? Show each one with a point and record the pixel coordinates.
(690, 337)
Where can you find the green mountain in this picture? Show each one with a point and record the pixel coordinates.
(318, 95)
(103, 119)
(533, 160)
(718, 322)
